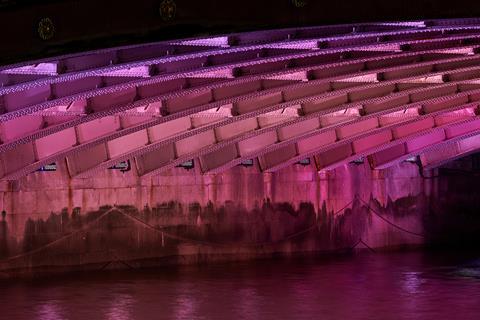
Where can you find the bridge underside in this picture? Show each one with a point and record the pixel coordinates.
(382, 92)
(299, 140)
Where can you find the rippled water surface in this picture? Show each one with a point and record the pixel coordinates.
(365, 286)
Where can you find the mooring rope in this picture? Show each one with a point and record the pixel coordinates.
(204, 242)
(164, 233)
(69, 235)
(227, 244)
(390, 222)
(360, 241)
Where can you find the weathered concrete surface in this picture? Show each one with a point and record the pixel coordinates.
(52, 222)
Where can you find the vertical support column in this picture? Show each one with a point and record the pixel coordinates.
(268, 181)
(323, 186)
(430, 183)
(379, 190)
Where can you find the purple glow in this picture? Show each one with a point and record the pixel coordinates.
(265, 95)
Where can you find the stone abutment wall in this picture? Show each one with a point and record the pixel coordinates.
(116, 220)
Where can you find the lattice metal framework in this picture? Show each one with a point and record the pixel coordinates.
(380, 91)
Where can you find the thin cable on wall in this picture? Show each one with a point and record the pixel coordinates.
(390, 222)
(209, 243)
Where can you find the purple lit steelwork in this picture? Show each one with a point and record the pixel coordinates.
(384, 92)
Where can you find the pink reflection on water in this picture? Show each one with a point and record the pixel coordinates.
(411, 282)
(120, 307)
(185, 307)
(49, 310)
(248, 302)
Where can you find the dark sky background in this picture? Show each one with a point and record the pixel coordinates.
(88, 24)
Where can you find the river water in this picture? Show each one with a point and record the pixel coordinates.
(362, 286)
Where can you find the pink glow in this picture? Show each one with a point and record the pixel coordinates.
(272, 98)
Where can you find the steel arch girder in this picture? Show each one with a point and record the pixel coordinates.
(254, 130)
(60, 95)
(239, 160)
(117, 134)
(107, 60)
(98, 114)
(129, 130)
(297, 157)
(448, 152)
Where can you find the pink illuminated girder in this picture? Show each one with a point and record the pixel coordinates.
(385, 91)
(449, 151)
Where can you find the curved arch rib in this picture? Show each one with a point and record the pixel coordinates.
(111, 108)
(84, 148)
(304, 146)
(385, 142)
(449, 151)
(237, 160)
(353, 96)
(253, 123)
(43, 148)
(236, 39)
(131, 60)
(451, 136)
(384, 74)
(20, 97)
(261, 123)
